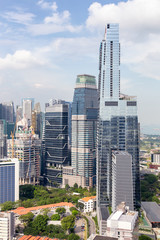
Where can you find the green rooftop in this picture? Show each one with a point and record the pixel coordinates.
(86, 79)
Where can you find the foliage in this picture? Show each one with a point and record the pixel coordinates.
(26, 191)
(75, 212)
(68, 222)
(110, 210)
(27, 218)
(150, 188)
(67, 187)
(80, 205)
(144, 237)
(96, 222)
(75, 186)
(87, 225)
(73, 236)
(55, 217)
(6, 206)
(60, 210)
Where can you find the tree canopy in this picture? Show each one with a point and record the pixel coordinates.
(68, 222)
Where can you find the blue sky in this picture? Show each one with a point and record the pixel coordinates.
(44, 44)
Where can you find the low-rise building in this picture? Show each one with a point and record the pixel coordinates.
(152, 213)
(122, 223)
(6, 226)
(89, 203)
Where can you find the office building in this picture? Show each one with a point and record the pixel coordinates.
(7, 112)
(26, 146)
(122, 179)
(118, 127)
(3, 139)
(70, 178)
(9, 180)
(7, 224)
(55, 142)
(37, 120)
(84, 127)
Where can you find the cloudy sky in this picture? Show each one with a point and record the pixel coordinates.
(44, 44)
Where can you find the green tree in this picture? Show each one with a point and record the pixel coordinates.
(75, 212)
(144, 237)
(80, 205)
(55, 217)
(39, 224)
(27, 218)
(68, 222)
(73, 236)
(75, 186)
(26, 191)
(60, 210)
(6, 206)
(67, 187)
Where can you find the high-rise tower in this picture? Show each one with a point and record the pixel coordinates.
(84, 127)
(118, 121)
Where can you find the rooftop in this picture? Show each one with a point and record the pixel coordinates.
(104, 238)
(104, 213)
(152, 210)
(86, 199)
(86, 79)
(29, 237)
(23, 211)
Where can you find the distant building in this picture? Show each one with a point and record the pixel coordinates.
(89, 203)
(7, 226)
(84, 128)
(7, 111)
(37, 120)
(122, 179)
(70, 178)
(27, 148)
(155, 158)
(55, 142)
(3, 139)
(9, 180)
(27, 106)
(122, 223)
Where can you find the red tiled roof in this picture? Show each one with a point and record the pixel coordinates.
(23, 211)
(29, 237)
(86, 199)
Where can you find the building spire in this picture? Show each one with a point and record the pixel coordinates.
(105, 32)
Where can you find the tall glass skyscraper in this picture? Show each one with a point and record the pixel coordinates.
(55, 141)
(118, 121)
(84, 127)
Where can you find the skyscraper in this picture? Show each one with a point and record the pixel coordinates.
(84, 127)
(122, 180)
(55, 139)
(118, 121)
(9, 180)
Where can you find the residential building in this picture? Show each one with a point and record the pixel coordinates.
(6, 225)
(55, 142)
(84, 127)
(118, 127)
(122, 179)
(89, 203)
(155, 158)
(122, 224)
(26, 146)
(9, 180)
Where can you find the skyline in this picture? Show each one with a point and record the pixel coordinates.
(45, 44)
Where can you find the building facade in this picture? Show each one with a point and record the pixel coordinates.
(122, 179)
(55, 141)
(7, 225)
(27, 148)
(9, 180)
(118, 127)
(84, 127)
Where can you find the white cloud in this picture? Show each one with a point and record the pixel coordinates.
(139, 32)
(21, 59)
(48, 5)
(19, 17)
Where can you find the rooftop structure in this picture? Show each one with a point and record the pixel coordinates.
(122, 223)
